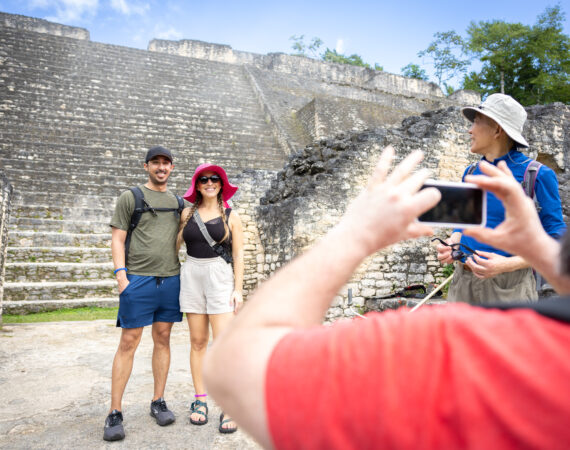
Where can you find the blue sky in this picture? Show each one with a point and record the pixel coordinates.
(388, 33)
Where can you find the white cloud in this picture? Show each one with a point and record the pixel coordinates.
(169, 34)
(67, 11)
(339, 45)
(129, 8)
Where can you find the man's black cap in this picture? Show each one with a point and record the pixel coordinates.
(158, 151)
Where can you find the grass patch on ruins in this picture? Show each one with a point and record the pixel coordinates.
(61, 315)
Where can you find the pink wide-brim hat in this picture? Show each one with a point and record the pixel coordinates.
(228, 189)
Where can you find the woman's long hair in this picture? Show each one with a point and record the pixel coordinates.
(194, 207)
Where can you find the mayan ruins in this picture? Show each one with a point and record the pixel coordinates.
(298, 136)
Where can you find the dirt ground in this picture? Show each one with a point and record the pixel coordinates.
(55, 386)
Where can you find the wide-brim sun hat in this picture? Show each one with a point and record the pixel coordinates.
(506, 111)
(228, 189)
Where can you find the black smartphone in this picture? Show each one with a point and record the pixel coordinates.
(462, 205)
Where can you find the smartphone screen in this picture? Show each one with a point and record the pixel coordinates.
(462, 205)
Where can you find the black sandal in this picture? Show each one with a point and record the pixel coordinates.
(226, 430)
(194, 409)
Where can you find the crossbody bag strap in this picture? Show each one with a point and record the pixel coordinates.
(218, 248)
(203, 229)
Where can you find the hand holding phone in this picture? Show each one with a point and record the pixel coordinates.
(462, 205)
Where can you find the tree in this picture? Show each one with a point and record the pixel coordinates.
(301, 48)
(414, 71)
(446, 53)
(529, 63)
(354, 59)
(329, 55)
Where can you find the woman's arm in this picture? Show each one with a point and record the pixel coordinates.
(238, 257)
(183, 220)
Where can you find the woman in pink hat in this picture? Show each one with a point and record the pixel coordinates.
(210, 293)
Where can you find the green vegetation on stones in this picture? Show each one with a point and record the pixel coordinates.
(61, 315)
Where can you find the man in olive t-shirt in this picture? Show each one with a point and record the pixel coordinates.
(149, 286)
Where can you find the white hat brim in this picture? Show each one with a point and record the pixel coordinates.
(469, 113)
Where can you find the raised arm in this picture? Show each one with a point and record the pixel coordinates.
(300, 293)
(521, 233)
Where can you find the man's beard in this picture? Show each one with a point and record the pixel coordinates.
(158, 181)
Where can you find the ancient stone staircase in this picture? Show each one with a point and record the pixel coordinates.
(76, 120)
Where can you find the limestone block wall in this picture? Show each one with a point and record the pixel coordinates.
(42, 26)
(301, 66)
(311, 192)
(306, 99)
(5, 203)
(252, 185)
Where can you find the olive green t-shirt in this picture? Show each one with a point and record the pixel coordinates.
(152, 251)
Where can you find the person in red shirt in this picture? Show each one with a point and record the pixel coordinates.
(454, 376)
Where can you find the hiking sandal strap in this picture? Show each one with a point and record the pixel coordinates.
(199, 404)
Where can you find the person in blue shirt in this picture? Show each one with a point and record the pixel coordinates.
(493, 274)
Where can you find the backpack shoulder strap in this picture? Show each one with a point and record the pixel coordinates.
(529, 178)
(135, 217)
(471, 168)
(557, 308)
(139, 207)
(180, 204)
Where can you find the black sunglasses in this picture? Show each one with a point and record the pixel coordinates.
(213, 179)
(457, 253)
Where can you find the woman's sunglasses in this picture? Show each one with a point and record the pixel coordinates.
(213, 179)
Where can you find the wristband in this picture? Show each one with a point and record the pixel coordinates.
(120, 268)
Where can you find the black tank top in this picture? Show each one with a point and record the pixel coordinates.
(196, 244)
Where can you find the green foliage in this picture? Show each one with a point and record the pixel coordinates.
(353, 60)
(447, 271)
(311, 50)
(531, 63)
(414, 71)
(447, 55)
(91, 313)
(301, 48)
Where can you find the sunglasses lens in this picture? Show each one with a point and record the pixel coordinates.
(213, 179)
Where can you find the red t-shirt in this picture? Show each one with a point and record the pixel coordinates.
(443, 377)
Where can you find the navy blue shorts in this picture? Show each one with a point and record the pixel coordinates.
(149, 299)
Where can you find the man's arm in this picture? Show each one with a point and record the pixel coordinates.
(299, 294)
(521, 233)
(118, 238)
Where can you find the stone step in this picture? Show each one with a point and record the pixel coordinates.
(23, 199)
(61, 226)
(59, 290)
(58, 211)
(52, 239)
(35, 306)
(60, 272)
(58, 254)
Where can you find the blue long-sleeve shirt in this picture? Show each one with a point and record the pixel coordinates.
(546, 190)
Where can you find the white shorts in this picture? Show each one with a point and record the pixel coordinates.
(206, 286)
